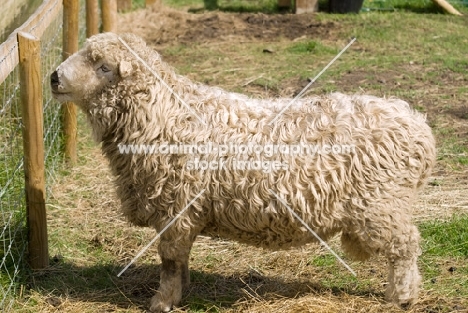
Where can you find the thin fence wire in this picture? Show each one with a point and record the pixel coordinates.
(82, 22)
(51, 56)
(13, 228)
(13, 236)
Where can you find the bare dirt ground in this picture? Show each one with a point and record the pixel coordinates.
(164, 27)
(226, 276)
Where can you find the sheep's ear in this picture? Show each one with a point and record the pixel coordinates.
(125, 68)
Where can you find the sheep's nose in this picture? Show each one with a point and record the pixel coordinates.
(54, 80)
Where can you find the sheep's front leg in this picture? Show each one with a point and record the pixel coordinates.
(173, 278)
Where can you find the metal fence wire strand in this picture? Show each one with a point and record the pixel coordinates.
(13, 228)
(51, 56)
(13, 236)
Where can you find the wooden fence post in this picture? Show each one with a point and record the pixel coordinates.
(149, 2)
(70, 46)
(306, 6)
(33, 143)
(124, 5)
(284, 4)
(92, 18)
(109, 15)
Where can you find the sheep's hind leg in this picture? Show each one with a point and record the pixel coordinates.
(398, 239)
(402, 251)
(403, 276)
(174, 278)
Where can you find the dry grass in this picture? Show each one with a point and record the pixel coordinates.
(90, 238)
(445, 196)
(90, 242)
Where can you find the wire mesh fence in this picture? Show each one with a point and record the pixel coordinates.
(13, 234)
(13, 228)
(51, 55)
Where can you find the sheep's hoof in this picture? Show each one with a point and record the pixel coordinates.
(406, 305)
(157, 305)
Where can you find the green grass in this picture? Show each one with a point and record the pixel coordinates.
(417, 6)
(14, 272)
(138, 4)
(265, 6)
(388, 46)
(445, 251)
(452, 147)
(270, 6)
(443, 260)
(13, 249)
(13, 234)
(311, 47)
(419, 55)
(446, 238)
(388, 42)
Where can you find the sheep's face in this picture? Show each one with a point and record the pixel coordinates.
(99, 65)
(79, 77)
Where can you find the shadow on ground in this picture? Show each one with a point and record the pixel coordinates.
(64, 281)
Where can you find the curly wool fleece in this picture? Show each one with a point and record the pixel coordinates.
(366, 194)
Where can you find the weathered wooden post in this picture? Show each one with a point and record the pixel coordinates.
(92, 18)
(284, 4)
(306, 6)
(149, 2)
(33, 144)
(124, 5)
(109, 15)
(70, 46)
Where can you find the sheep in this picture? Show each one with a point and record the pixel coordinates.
(365, 195)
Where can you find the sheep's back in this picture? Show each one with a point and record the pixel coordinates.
(392, 157)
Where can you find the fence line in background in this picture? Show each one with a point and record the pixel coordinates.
(21, 167)
(109, 15)
(92, 18)
(70, 46)
(9, 57)
(13, 214)
(22, 223)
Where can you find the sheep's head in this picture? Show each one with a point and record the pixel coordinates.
(101, 64)
(106, 81)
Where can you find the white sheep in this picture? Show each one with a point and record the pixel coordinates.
(366, 194)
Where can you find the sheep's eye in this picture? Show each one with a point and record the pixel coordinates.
(104, 68)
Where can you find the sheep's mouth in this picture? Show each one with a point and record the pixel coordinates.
(61, 96)
(58, 93)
